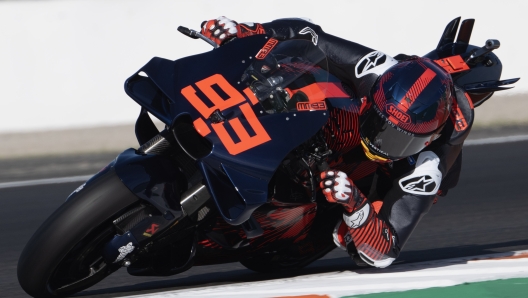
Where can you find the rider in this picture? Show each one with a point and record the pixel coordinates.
(395, 150)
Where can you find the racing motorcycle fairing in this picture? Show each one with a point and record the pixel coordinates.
(252, 111)
(482, 78)
(153, 178)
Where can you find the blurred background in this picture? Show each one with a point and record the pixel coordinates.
(63, 62)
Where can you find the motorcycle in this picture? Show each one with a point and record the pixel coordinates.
(232, 177)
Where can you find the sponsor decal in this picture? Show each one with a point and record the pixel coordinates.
(423, 184)
(124, 251)
(391, 123)
(78, 189)
(373, 147)
(152, 230)
(348, 238)
(401, 130)
(314, 106)
(308, 30)
(394, 112)
(374, 62)
(358, 218)
(458, 119)
(386, 234)
(411, 160)
(272, 42)
(265, 69)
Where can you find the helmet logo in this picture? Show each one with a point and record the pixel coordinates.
(394, 112)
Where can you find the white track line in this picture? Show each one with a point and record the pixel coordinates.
(44, 181)
(486, 141)
(398, 277)
(496, 140)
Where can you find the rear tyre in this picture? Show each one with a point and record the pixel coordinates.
(64, 255)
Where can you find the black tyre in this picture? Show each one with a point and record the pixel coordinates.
(64, 254)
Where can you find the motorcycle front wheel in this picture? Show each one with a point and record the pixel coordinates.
(64, 256)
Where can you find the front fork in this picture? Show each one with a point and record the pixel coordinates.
(141, 226)
(153, 176)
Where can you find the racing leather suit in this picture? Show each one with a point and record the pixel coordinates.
(398, 192)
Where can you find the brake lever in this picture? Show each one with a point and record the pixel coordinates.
(195, 35)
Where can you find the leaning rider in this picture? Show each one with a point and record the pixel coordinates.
(395, 151)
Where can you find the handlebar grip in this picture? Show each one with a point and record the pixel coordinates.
(187, 31)
(195, 35)
(492, 44)
(478, 54)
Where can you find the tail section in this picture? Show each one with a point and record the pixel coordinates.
(476, 70)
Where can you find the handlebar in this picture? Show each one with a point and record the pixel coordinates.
(195, 35)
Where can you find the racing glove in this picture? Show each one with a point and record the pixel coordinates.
(361, 231)
(222, 29)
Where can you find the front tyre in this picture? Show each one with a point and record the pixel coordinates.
(64, 255)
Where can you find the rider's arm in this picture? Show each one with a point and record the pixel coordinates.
(340, 51)
(343, 55)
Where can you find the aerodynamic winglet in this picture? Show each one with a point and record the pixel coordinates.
(449, 33)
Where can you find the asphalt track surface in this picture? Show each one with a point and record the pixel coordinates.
(486, 213)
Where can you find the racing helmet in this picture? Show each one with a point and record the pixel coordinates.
(407, 108)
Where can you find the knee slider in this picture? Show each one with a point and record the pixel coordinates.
(368, 255)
